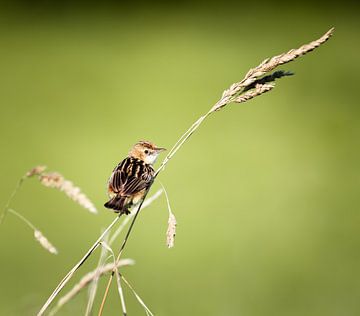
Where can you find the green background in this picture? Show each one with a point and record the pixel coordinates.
(266, 193)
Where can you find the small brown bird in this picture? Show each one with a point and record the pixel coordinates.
(132, 177)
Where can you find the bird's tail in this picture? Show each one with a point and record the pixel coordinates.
(117, 203)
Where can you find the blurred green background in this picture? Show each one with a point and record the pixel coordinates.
(266, 194)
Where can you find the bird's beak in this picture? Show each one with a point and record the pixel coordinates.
(160, 149)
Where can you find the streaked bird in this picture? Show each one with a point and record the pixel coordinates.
(132, 177)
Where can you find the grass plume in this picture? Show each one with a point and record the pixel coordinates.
(171, 230)
(43, 241)
(57, 181)
(54, 180)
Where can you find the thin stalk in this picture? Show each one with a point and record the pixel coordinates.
(127, 219)
(181, 141)
(147, 310)
(39, 236)
(94, 284)
(105, 294)
(121, 292)
(6, 207)
(172, 152)
(25, 220)
(118, 257)
(76, 267)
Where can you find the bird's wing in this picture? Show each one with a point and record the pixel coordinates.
(134, 185)
(124, 181)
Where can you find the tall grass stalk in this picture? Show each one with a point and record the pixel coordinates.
(252, 85)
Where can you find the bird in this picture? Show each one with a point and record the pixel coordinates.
(132, 177)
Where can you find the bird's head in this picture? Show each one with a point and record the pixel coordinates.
(146, 151)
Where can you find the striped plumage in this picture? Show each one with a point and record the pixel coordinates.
(132, 177)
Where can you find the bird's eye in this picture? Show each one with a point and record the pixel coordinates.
(146, 151)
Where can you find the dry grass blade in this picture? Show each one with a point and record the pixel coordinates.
(57, 181)
(118, 281)
(94, 283)
(114, 236)
(147, 310)
(122, 247)
(87, 279)
(69, 275)
(121, 293)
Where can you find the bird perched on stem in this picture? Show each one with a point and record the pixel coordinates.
(132, 177)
